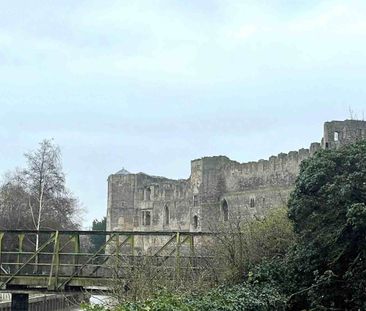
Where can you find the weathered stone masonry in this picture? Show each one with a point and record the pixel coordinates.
(216, 188)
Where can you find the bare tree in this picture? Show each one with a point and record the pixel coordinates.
(244, 240)
(14, 203)
(49, 201)
(36, 197)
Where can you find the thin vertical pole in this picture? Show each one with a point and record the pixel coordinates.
(132, 261)
(1, 247)
(52, 281)
(117, 257)
(76, 251)
(177, 274)
(193, 255)
(20, 248)
(132, 239)
(57, 255)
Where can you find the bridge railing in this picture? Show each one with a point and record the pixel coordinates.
(64, 259)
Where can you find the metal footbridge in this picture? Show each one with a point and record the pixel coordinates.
(63, 260)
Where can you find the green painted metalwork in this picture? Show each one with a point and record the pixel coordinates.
(62, 285)
(76, 239)
(62, 262)
(20, 247)
(192, 252)
(170, 241)
(1, 247)
(177, 253)
(52, 281)
(36, 253)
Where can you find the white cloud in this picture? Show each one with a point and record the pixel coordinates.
(155, 41)
(5, 39)
(320, 20)
(244, 32)
(338, 18)
(209, 80)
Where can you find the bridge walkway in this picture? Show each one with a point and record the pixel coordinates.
(64, 260)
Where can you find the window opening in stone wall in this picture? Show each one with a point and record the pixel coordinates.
(225, 210)
(326, 145)
(195, 200)
(141, 194)
(167, 194)
(148, 194)
(146, 218)
(336, 136)
(195, 222)
(121, 221)
(166, 215)
(360, 132)
(252, 202)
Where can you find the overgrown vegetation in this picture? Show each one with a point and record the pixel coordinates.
(241, 245)
(244, 242)
(244, 296)
(35, 197)
(321, 267)
(329, 214)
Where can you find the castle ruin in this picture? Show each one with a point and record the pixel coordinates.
(216, 188)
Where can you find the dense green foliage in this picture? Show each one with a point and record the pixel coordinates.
(239, 297)
(329, 214)
(97, 241)
(324, 269)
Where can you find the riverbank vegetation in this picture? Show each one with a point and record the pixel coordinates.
(309, 256)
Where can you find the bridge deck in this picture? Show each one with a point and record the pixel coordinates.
(63, 262)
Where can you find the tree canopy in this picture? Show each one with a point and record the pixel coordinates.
(36, 197)
(329, 214)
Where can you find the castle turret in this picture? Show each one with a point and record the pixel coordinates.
(338, 133)
(121, 191)
(208, 185)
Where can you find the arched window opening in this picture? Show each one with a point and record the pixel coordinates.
(148, 194)
(252, 202)
(195, 200)
(336, 136)
(225, 210)
(146, 218)
(166, 215)
(195, 222)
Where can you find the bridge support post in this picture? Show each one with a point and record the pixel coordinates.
(19, 302)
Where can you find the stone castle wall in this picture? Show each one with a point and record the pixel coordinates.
(216, 188)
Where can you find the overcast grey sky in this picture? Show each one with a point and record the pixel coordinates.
(150, 85)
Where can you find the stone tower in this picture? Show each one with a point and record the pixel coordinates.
(216, 189)
(338, 133)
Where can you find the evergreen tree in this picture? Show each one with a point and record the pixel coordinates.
(98, 240)
(329, 214)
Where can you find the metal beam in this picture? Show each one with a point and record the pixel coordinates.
(72, 269)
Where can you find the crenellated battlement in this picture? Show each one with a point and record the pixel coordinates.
(277, 163)
(216, 185)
